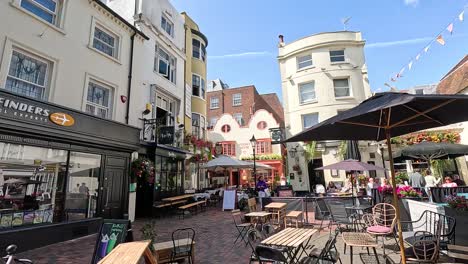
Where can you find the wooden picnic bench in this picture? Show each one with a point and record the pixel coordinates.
(190, 206)
(176, 198)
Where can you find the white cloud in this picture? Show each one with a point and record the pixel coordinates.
(398, 42)
(412, 2)
(242, 54)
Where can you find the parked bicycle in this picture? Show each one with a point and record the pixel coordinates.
(11, 259)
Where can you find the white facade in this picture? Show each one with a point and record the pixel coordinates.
(321, 75)
(56, 56)
(149, 85)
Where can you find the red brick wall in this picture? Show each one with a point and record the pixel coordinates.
(455, 81)
(249, 97)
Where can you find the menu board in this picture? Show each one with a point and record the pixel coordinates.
(229, 199)
(111, 233)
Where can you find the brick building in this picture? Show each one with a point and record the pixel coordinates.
(234, 116)
(456, 80)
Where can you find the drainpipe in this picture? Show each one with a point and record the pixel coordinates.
(185, 80)
(130, 71)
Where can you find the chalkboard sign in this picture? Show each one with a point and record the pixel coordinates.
(229, 199)
(166, 135)
(111, 233)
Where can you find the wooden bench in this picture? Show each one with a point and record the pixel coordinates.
(167, 205)
(190, 206)
(459, 253)
(293, 215)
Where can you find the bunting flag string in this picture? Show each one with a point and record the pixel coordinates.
(439, 38)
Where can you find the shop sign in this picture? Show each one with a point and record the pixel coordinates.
(166, 135)
(31, 112)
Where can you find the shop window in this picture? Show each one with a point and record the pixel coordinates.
(83, 185)
(228, 148)
(99, 100)
(263, 146)
(31, 190)
(169, 176)
(28, 75)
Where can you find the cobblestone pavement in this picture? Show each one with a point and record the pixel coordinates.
(215, 234)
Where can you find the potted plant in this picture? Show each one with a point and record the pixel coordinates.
(142, 170)
(408, 192)
(457, 207)
(148, 232)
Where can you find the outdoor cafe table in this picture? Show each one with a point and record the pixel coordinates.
(278, 209)
(258, 217)
(294, 239)
(353, 239)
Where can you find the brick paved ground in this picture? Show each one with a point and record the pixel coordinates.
(215, 234)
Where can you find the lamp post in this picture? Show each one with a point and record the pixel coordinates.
(253, 142)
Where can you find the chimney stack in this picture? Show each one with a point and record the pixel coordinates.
(281, 41)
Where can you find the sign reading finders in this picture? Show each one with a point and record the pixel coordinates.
(166, 135)
(28, 111)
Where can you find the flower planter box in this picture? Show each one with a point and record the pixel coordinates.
(461, 218)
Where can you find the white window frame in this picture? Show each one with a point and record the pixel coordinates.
(239, 119)
(112, 94)
(164, 102)
(59, 13)
(171, 64)
(349, 87)
(299, 68)
(48, 74)
(201, 126)
(118, 39)
(214, 105)
(167, 21)
(337, 56)
(213, 122)
(237, 101)
(300, 86)
(309, 114)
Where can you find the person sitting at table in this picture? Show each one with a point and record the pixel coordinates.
(457, 180)
(347, 187)
(449, 183)
(331, 188)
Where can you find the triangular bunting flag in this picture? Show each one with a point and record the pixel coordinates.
(450, 28)
(426, 49)
(418, 56)
(461, 15)
(440, 40)
(410, 65)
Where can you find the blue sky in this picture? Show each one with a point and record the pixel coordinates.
(243, 36)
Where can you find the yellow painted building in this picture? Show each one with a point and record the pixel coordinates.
(195, 78)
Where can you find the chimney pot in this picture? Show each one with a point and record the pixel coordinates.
(281, 38)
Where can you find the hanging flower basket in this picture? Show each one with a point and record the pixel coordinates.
(142, 170)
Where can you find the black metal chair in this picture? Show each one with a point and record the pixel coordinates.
(328, 254)
(428, 222)
(339, 215)
(322, 211)
(267, 254)
(241, 226)
(183, 241)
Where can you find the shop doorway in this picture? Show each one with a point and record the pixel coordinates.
(315, 176)
(235, 178)
(112, 185)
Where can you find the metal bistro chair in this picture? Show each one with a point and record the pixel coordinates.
(427, 246)
(241, 226)
(339, 215)
(382, 222)
(323, 212)
(270, 254)
(328, 254)
(183, 240)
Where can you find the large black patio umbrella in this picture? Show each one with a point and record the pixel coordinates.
(427, 150)
(389, 114)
